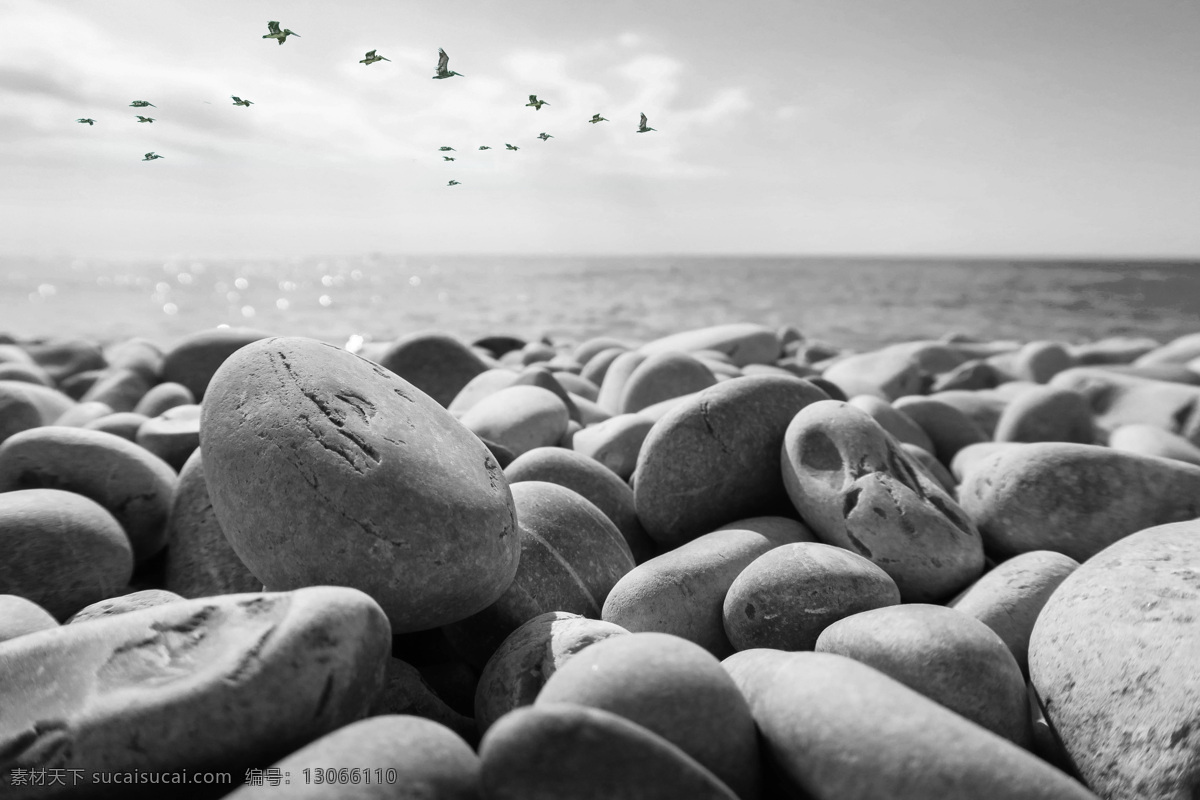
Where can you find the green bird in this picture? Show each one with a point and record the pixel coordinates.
(151, 156)
(275, 33)
(141, 104)
(642, 126)
(508, 146)
(484, 147)
(371, 58)
(447, 158)
(445, 149)
(443, 67)
(454, 183)
(145, 119)
(544, 136)
(87, 120)
(537, 104)
(597, 118)
(237, 101)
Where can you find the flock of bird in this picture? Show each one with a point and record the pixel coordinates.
(443, 72)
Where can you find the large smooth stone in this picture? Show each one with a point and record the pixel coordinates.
(124, 424)
(20, 616)
(602, 487)
(577, 385)
(589, 349)
(836, 729)
(428, 761)
(788, 595)
(616, 442)
(195, 359)
(1009, 598)
(520, 418)
(1040, 361)
(596, 367)
(215, 684)
(1117, 400)
(27, 405)
(859, 490)
(947, 656)
(134, 601)
(682, 591)
(539, 375)
(325, 468)
(133, 485)
(1047, 414)
(1112, 350)
(1113, 658)
(26, 373)
(661, 377)
(889, 374)
(571, 556)
(79, 415)
(526, 659)
(1074, 499)
(561, 752)
(715, 458)
(672, 687)
(436, 363)
(973, 455)
(743, 342)
(139, 355)
(1151, 440)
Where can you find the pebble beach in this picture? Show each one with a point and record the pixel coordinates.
(730, 560)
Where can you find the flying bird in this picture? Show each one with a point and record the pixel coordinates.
(445, 149)
(537, 104)
(237, 101)
(372, 58)
(642, 126)
(454, 183)
(151, 156)
(144, 119)
(275, 33)
(141, 104)
(443, 70)
(484, 147)
(508, 146)
(447, 158)
(544, 136)
(87, 120)
(597, 118)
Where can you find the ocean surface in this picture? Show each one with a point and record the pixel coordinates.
(857, 303)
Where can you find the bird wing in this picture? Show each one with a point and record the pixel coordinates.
(643, 122)
(443, 60)
(273, 26)
(533, 98)
(370, 54)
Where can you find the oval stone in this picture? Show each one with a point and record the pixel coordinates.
(1151, 440)
(173, 435)
(519, 417)
(133, 485)
(1047, 414)
(788, 595)
(1074, 499)
(436, 363)
(164, 396)
(19, 616)
(325, 468)
(743, 342)
(661, 377)
(616, 442)
(714, 458)
(1113, 658)
(949, 657)
(195, 359)
(216, 684)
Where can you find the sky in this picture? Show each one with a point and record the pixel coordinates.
(1064, 128)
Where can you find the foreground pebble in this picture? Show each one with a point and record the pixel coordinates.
(1113, 659)
(840, 730)
(324, 468)
(222, 683)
